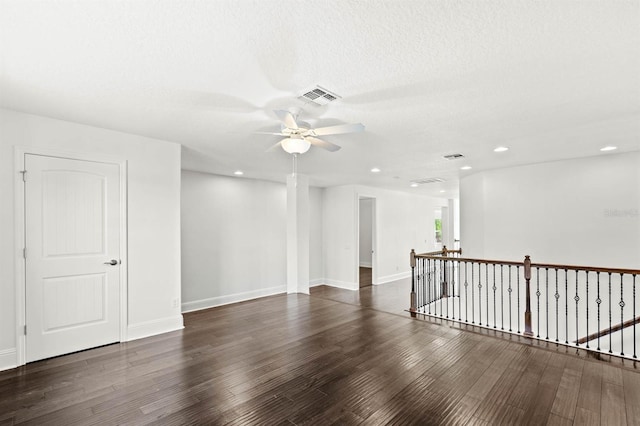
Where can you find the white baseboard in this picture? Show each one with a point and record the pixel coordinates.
(232, 298)
(341, 284)
(366, 264)
(394, 277)
(152, 328)
(316, 282)
(8, 359)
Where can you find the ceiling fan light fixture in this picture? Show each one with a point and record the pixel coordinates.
(295, 145)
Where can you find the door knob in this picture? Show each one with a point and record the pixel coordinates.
(111, 262)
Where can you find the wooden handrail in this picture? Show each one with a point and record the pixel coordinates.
(534, 265)
(607, 331)
(465, 259)
(442, 252)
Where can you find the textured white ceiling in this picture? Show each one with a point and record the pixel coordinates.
(550, 79)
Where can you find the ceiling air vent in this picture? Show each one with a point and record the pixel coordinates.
(318, 96)
(453, 156)
(427, 180)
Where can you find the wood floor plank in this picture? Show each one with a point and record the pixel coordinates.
(564, 404)
(335, 357)
(613, 411)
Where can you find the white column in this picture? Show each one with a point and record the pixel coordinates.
(297, 234)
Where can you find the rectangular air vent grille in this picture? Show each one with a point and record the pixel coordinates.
(453, 156)
(427, 180)
(318, 96)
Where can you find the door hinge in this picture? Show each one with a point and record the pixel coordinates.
(24, 175)
(25, 329)
(24, 253)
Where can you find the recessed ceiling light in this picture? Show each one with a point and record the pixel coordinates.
(501, 149)
(375, 170)
(238, 173)
(442, 190)
(465, 168)
(608, 148)
(414, 185)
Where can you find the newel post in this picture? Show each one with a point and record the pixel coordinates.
(412, 259)
(527, 312)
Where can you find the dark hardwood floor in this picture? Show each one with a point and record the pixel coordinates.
(335, 357)
(365, 276)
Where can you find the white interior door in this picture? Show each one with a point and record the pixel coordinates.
(72, 220)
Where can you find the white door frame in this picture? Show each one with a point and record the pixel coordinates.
(374, 238)
(19, 236)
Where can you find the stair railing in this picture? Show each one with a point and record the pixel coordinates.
(593, 308)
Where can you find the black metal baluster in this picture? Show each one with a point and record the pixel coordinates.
(417, 281)
(501, 297)
(494, 288)
(587, 303)
(466, 294)
(610, 329)
(429, 287)
(598, 301)
(566, 307)
(621, 315)
(518, 294)
(473, 297)
(634, 316)
(510, 290)
(479, 293)
(557, 297)
(577, 299)
(546, 298)
(459, 292)
(538, 297)
(486, 272)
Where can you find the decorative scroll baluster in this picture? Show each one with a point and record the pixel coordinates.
(527, 313)
(460, 292)
(621, 315)
(557, 297)
(473, 297)
(501, 298)
(634, 315)
(577, 299)
(566, 307)
(479, 293)
(538, 297)
(494, 288)
(466, 295)
(510, 290)
(486, 272)
(598, 301)
(587, 303)
(610, 331)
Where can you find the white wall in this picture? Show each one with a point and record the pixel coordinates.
(582, 211)
(366, 231)
(234, 239)
(403, 222)
(153, 218)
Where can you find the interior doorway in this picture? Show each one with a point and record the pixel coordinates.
(73, 237)
(366, 241)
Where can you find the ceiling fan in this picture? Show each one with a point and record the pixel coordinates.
(299, 135)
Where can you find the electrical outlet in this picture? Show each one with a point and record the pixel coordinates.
(176, 303)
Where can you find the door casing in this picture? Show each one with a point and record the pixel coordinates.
(20, 228)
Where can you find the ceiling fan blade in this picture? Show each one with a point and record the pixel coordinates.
(287, 118)
(335, 130)
(273, 148)
(322, 144)
(269, 133)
